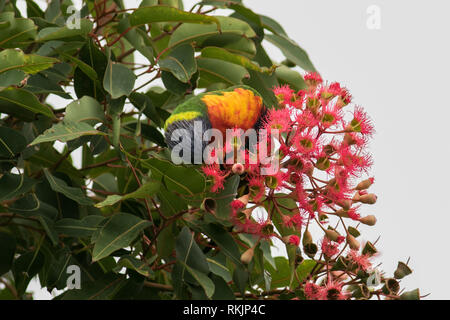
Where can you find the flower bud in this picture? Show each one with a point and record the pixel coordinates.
(342, 213)
(332, 235)
(348, 139)
(292, 240)
(238, 168)
(247, 256)
(344, 204)
(363, 185)
(307, 238)
(244, 199)
(352, 242)
(402, 271)
(369, 220)
(368, 198)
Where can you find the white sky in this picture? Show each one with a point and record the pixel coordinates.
(400, 75)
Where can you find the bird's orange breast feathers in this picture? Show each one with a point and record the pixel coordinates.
(239, 108)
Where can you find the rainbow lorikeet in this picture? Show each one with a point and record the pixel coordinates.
(235, 107)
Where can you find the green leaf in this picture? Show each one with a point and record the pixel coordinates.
(171, 204)
(118, 80)
(148, 132)
(272, 26)
(305, 268)
(46, 82)
(224, 240)
(145, 104)
(26, 100)
(189, 32)
(189, 253)
(233, 43)
(97, 60)
(225, 196)
(25, 268)
(180, 62)
(137, 265)
(178, 179)
(261, 82)
(222, 290)
(61, 186)
(66, 131)
(220, 3)
(102, 288)
(175, 86)
(53, 33)
(240, 278)
(78, 228)
(202, 279)
(48, 226)
(12, 142)
(152, 14)
(33, 10)
(165, 243)
(13, 185)
(120, 230)
(31, 206)
(11, 59)
(56, 273)
(7, 250)
(292, 51)
(86, 110)
(213, 70)
(87, 69)
(146, 190)
(281, 275)
(219, 269)
(291, 77)
(11, 78)
(137, 38)
(16, 32)
(225, 55)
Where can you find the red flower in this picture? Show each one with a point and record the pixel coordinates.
(361, 122)
(283, 93)
(217, 175)
(361, 260)
(313, 79)
(329, 249)
(294, 240)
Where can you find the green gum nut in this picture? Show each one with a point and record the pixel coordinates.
(411, 295)
(369, 249)
(361, 292)
(271, 182)
(391, 286)
(310, 249)
(402, 271)
(209, 205)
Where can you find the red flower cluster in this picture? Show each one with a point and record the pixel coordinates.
(322, 154)
(317, 183)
